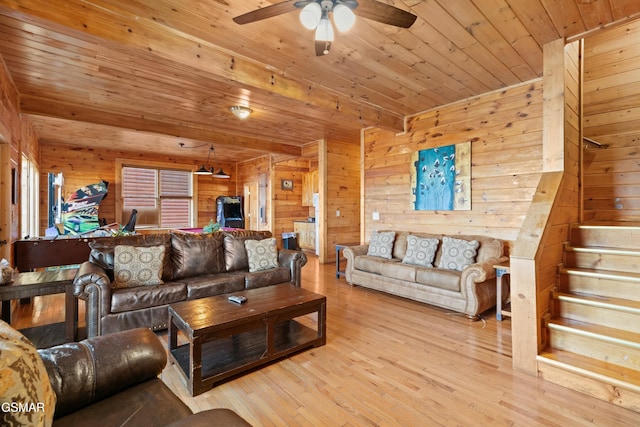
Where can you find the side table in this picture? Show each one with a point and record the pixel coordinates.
(502, 269)
(31, 284)
(339, 247)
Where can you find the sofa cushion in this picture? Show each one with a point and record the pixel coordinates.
(397, 270)
(458, 253)
(128, 299)
(235, 253)
(267, 277)
(439, 278)
(261, 254)
(420, 251)
(213, 284)
(381, 244)
(137, 266)
(102, 250)
(371, 264)
(24, 380)
(196, 254)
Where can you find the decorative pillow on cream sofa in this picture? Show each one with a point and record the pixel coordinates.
(137, 266)
(381, 244)
(420, 251)
(458, 253)
(262, 254)
(25, 390)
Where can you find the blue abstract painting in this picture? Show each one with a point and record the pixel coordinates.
(440, 178)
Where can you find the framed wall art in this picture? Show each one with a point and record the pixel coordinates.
(286, 184)
(441, 178)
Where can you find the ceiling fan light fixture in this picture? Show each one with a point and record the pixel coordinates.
(240, 111)
(343, 17)
(324, 32)
(310, 15)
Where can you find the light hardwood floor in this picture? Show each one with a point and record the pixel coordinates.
(389, 362)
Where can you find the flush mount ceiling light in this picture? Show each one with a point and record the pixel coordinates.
(315, 16)
(240, 111)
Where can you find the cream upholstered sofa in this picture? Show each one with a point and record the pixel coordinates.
(452, 272)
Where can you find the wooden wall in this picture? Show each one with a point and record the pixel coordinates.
(340, 187)
(505, 130)
(82, 165)
(287, 204)
(612, 117)
(17, 136)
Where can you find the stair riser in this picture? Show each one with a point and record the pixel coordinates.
(610, 262)
(599, 316)
(600, 390)
(600, 286)
(613, 237)
(613, 353)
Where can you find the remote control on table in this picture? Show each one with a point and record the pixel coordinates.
(238, 299)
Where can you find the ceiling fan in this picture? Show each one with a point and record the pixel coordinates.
(315, 16)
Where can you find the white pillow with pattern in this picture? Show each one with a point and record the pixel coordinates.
(381, 244)
(262, 254)
(137, 266)
(420, 251)
(457, 254)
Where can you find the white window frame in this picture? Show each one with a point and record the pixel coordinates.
(29, 198)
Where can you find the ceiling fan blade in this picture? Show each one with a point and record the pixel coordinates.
(322, 48)
(266, 12)
(385, 13)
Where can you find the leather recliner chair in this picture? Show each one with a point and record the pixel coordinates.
(112, 380)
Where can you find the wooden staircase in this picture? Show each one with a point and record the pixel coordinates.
(594, 331)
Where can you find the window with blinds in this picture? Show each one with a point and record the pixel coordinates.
(163, 197)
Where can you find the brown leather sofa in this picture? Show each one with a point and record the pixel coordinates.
(195, 266)
(113, 381)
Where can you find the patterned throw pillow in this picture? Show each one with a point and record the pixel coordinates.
(262, 254)
(137, 266)
(458, 253)
(381, 244)
(24, 383)
(420, 251)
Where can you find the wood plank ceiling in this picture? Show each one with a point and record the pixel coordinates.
(145, 75)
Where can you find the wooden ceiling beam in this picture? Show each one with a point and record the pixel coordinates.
(45, 107)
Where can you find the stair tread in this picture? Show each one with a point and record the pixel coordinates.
(618, 373)
(610, 334)
(594, 272)
(624, 304)
(604, 250)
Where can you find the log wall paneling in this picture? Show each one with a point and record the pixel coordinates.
(612, 118)
(505, 130)
(287, 204)
(341, 194)
(83, 165)
(17, 136)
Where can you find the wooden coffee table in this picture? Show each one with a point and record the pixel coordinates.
(226, 339)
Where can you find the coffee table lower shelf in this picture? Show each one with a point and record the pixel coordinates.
(225, 357)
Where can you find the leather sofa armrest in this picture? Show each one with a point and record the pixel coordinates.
(293, 260)
(350, 254)
(93, 285)
(90, 370)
